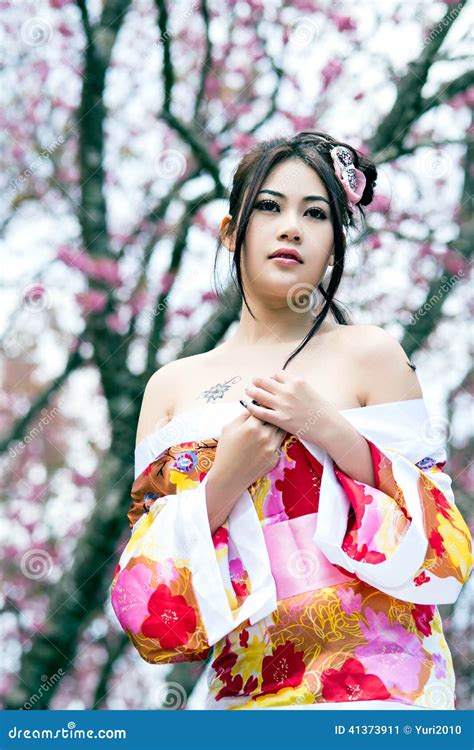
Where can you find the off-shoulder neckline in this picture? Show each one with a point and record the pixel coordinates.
(196, 409)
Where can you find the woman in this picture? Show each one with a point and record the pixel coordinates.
(294, 524)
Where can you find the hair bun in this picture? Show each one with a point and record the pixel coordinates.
(370, 171)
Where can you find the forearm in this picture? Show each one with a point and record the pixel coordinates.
(347, 447)
(220, 499)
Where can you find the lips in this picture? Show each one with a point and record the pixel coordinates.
(287, 252)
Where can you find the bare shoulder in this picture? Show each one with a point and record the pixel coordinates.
(159, 396)
(384, 368)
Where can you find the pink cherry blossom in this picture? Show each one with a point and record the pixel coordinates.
(381, 204)
(330, 72)
(116, 323)
(374, 241)
(92, 301)
(343, 23)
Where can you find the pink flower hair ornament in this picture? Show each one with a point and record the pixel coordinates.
(352, 179)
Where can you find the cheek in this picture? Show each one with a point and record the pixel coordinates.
(258, 243)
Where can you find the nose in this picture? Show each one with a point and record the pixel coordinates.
(291, 233)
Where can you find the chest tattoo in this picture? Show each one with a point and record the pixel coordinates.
(216, 392)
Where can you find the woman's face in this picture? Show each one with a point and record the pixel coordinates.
(291, 211)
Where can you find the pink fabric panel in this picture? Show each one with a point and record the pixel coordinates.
(297, 564)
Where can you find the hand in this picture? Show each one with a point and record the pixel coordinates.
(246, 450)
(291, 403)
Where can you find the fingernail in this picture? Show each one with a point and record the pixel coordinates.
(244, 403)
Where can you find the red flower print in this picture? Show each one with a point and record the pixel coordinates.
(283, 668)
(223, 663)
(441, 503)
(421, 579)
(300, 484)
(423, 614)
(351, 683)
(238, 577)
(232, 687)
(250, 685)
(222, 666)
(361, 553)
(240, 587)
(220, 537)
(357, 497)
(244, 638)
(436, 542)
(171, 619)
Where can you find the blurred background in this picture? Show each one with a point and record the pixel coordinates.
(121, 124)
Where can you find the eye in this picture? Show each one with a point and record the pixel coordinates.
(267, 203)
(270, 205)
(319, 212)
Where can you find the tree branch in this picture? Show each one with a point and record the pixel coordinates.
(206, 63)
(18, 430)
(449, 90)
(388, 140)
(191, 208)
(429, 313)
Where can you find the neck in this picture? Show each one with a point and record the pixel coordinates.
(273, 326)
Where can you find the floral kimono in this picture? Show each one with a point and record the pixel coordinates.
(318, 591)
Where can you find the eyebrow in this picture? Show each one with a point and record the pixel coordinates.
(306, 198)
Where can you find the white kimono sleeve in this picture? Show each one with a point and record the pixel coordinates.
(177, 589)
(404, 535)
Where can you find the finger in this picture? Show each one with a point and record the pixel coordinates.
(242, 417)
(270, 385)
(261, 396)
(280, 376)
(263, 414)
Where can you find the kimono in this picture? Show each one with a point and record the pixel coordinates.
(318, 591)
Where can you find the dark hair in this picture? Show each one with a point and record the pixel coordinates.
(313, 148)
